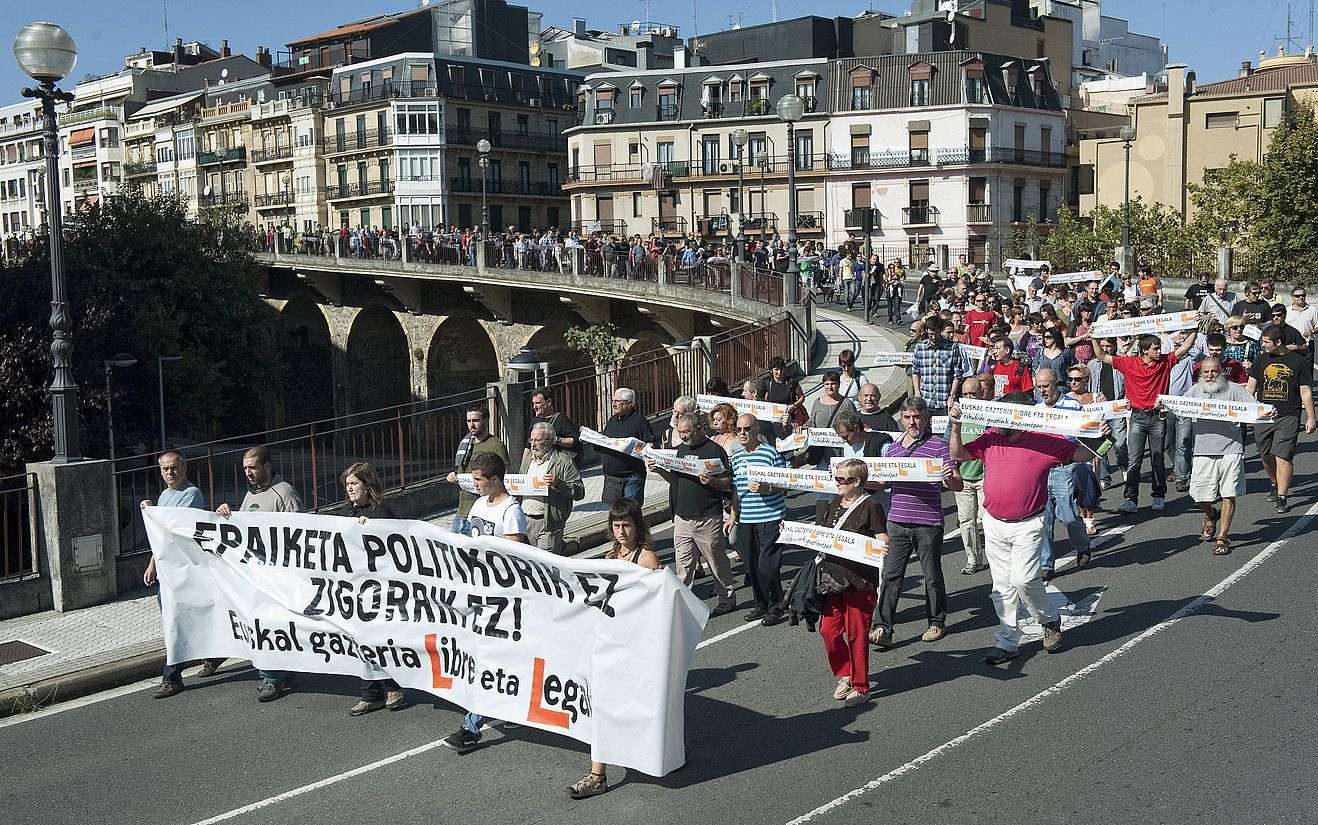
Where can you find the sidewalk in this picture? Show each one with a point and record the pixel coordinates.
(116, 644)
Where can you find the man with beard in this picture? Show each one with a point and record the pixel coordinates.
(1218, 472)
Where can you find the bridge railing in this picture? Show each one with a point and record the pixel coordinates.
(20, 555)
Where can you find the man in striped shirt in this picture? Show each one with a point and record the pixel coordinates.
(757, 516)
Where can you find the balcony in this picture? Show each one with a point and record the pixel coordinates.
(524, 141)
(377, 93)
(809, 221)
(760, 222)
(919, 216)
(720, 224)
(268, 155)
(357, 141)
(507, 186)
(360, 190)
(84, 185)
(88, 115)
(610, 173)
(276, 199)
(285, 107)
(1027, 157)
(142, 167)
(668, 225)
(602, 227)
(979, 213)
(323, 59)
(863, 218)
(226, 111)
(757, 106)
(236, 201)
(771, 164)
(238, 153)
(668, 111)
(87, 151)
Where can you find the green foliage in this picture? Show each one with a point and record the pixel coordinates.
(1156, 231)
(1229, 203)
(598, 342)
(142, 279)
(1288, 219)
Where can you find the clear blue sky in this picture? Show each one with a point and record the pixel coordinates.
(1212, 36)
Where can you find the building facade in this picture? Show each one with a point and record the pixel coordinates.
(22, 174)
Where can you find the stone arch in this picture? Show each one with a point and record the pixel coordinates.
(647, 368)
(577, 391)
(306, 352)
(461, 358)
(376, 362)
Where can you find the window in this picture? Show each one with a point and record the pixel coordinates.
(1273, 108)
(523, 125)
(1045, 207)
(860, 196)
(860, 151)
(636, 204)
(412, 119)
(634, 98)
(1018, 203)
(524, 217)
(604, 100)
(663, 152)
(919, 148)
(862, 88)
(976, 88)
(524, 173)
(464, 169)
(756, 147)
(667, 102)
(805, 149)
(1221, 120)
(736, 90)
(805, 89)
(551, 176)
(919, 92)
(710, 154)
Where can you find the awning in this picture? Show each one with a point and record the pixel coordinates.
(81, 136)
(157, 107)
(90, 201)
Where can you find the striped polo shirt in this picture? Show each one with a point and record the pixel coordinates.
(918, 502)
(757, 508)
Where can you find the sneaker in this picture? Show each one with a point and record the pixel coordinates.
(267, 692)
(592, 784)
(1182, 486)
(209, 666)
(366, 706)
(393, 700)
(843, 688)
(167, 689)
(1159, 503)
(1280, 506)
(999, 656)
(755, 615)
(461, 740)
(969, 570)
(934, 633)
(881, 637)
(855, 698)
(774, 617)
(1272, 493)
(1128, 506)
(723, 608)
(1052, 635)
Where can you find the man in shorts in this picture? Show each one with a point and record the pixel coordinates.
(1284, 379)
(1217, 471)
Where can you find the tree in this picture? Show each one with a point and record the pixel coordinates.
(1229, 203)
(598, 342)
(143, 279)
(1289, 215)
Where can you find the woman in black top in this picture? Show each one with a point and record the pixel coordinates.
(781, 390)
(366, 500)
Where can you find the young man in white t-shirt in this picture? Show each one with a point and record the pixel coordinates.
(495, 513)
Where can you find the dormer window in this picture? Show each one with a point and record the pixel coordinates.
(921, 76)
(976, 88)
(862, 88)
(634, 95)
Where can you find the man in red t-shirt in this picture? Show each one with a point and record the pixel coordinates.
(1016, 465)
(1007, 372)
(980, 320)
(1147, 375)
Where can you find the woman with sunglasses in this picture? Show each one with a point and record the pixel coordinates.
(1238, 347)
(853, 587)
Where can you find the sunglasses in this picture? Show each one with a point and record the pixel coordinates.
(747, 429)
(1074, 378)
(846, 479)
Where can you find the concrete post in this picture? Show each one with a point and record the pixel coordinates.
(480, 255)
(1224, 255)
(509, 400)
(944, 257)
(79, 520)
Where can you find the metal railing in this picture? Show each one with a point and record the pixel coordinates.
(277, 153)
(145, 167)
(670, 225)
(763, 285)
(88, 115)
(507, 186)
(501, 139)
(357, 140)
(810, 221)
(359, 190)
(235, 154)
(919, 216)
(275, 199)
(237, 200)
(19, 550)
(407, 445)
(979, 213)
(1028, 157)
(609, 172)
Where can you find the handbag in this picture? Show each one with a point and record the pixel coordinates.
(831, 577)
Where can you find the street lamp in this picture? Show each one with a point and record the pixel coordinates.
(483, 146)
(1127, 134)
(161, 361)
(122, 360)
(790, 109)
(739, 139)
(47, 54)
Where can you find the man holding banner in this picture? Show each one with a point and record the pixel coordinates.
(757, 517)
(1016, 467)
(1218, 471)
(546, 516)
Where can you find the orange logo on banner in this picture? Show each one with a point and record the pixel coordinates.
(901, 471)
(538, 483)
(537, 712)
(437, 677)
(874, 548)
(932, 467)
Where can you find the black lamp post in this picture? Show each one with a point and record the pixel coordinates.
(483, 146)
(47, 54)
(1127, 134)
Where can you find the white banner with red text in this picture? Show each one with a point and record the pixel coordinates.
(593, 649)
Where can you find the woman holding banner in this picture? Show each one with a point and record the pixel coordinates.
(631, 542)
(366, 497)
(850, 589)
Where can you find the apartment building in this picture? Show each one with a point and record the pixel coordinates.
(22, 171)
(947, 149)
(654, 152)
(1184, 133)
(635, 45)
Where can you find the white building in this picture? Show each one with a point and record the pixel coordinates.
(22, 172)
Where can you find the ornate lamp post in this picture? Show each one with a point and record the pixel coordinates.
(1127, 135)
(790, 109)
(483, 146)
(739, 139)
(47, 54)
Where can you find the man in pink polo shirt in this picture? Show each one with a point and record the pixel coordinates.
(1016, 465)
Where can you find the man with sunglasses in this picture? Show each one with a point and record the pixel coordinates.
(980, 320)
(757, 516)
(1291, 340)
(1301, 317)
(1252, 307)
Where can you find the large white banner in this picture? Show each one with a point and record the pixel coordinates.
(810, 481)
(1109, 409)
(840, 543)
(688, 465)
(1072, 423)
(893, 359)
(1235, 411)
(762, 410)
(596, 650)
(1076, 277)
(810, 437)
(1150, 324)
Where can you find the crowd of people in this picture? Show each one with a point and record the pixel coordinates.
(1008, 487)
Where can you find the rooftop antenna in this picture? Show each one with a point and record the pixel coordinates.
(773, 10)
(1292, 39)
(165, 5)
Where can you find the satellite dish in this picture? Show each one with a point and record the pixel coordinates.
(636, 25)
(206, 191)
(224, 73)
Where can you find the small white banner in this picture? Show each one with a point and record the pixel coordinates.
(1150, 324)
(1218, 410)
(840, 543)
(898, 469)
(1024, 264)
(893, 359)
(1253, 332)
(1076, 277)
(688, 465)
(1039, 419)
(627, 446)
(526, 486)
(1110, 409)
(976, 354)
(809, 481)
(762, 410)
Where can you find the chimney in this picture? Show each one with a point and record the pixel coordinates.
(645, 55)
(263, 57)
(1176, 89)
(579, 26)
(1246, 68)
(679, 56)
(178, 50)
(224, 49)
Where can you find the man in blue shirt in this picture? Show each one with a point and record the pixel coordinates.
(178, 492)
(757, 515)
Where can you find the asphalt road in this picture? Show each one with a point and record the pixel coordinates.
(1207, 718)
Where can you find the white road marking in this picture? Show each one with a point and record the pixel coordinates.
(1038, 698)
(726, 635)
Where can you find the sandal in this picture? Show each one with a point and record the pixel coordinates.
(1223, 547)
(1081, 559)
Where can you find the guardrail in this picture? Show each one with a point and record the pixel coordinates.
(19, 553)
